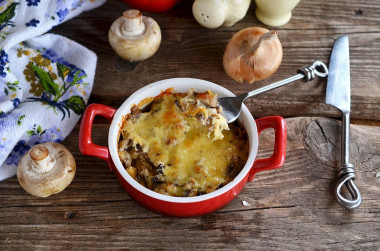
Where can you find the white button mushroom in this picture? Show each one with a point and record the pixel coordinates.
(134, 37)
(46, 169)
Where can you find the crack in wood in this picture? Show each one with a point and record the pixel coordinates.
(324, 134)
(321, 141)
(257, 209)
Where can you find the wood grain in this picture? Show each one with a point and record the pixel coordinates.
(285, 209)
(189, 50)
(289, 208)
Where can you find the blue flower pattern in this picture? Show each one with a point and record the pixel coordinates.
(32, 23)
(3, 61)
(67, 90)
(32, 2)
(62, 14)
(18, 151)
(2, 144)
(60, 94)
(54, 58)
(53, 135)
(16, 102)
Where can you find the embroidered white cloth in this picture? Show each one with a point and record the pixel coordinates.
(45, 79)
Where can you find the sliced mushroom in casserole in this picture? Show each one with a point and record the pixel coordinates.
(182, 145)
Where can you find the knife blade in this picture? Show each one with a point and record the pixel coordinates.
(338, 94)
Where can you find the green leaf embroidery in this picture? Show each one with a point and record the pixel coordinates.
(8, 14)
(76, 103)
(61, 70)
(19, 119)
(11, 86)
(76, 79)
(35, 131)
(70, 76)
(46, 80)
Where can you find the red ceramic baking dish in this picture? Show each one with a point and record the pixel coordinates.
(181, 206)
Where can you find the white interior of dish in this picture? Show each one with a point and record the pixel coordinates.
(180, 85)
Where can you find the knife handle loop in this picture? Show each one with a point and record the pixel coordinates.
(346, 177)
(316, 69)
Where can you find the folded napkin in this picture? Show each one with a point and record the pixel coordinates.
(45, 80)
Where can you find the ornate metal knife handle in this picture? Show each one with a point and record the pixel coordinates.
(346, 174)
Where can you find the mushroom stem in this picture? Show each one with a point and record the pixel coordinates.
(270, 35)
(134, 37)
(133, 24)
(42, 161)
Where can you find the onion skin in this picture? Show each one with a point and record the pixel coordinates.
(252, 54)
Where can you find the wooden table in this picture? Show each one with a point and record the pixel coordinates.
(289, 208)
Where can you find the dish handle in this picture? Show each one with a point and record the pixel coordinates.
(85, 142)
(278, 157)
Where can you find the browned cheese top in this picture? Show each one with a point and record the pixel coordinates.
(182, 145)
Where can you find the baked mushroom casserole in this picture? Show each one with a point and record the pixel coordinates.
(181, 145)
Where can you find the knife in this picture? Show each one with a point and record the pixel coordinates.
(338, 94)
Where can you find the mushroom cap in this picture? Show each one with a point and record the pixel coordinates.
(51, 182)
(134, 47)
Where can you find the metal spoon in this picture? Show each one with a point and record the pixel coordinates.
(232, 105)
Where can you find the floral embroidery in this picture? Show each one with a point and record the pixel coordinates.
(62, 14)
(32, 23)
(11, 87)
(21, 52)
(48, 88)
(54, 58)
(36, 131)
(3, 57)
(53, 134)
(33, 2)
(16, 102)
(37, 135)
(58, 89)
(3, 143)
(18, 151)
(3, 62)
(20, 119)
(36, 89)
(6, 16)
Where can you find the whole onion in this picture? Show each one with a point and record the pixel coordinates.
(252, 54)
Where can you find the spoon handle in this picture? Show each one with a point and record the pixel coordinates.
(307, 73)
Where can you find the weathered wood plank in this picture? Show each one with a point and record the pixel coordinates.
(189, 50)
(288, 208)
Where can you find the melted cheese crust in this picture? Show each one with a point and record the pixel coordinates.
(182, 146)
